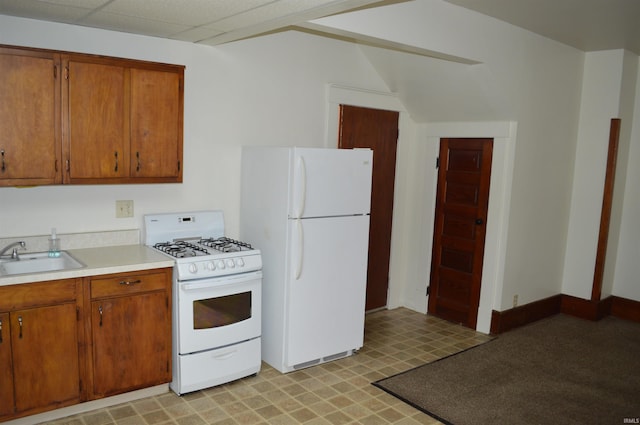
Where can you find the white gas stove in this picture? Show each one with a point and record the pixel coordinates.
(217, 296)
(196, 241)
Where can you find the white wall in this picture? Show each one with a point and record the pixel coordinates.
(600, 102)
(522, 78)
(628, 85)
(268, 90)
(626, 261)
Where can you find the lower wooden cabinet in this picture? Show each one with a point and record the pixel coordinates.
(67, 341)
(39, 347)
(46, 370)
(130, 332)
(7, 403)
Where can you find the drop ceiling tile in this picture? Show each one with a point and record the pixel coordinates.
(42, 10)
(282, 10)
(84, 4)
(185, 12)
(196, 34)
(132, 24)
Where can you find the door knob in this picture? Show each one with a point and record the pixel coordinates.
(479, 221)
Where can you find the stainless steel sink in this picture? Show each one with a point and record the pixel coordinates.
(39, 262)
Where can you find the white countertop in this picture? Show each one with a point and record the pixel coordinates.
(98, 261)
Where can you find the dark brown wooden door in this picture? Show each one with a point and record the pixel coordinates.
(462, 200)
(378, 130)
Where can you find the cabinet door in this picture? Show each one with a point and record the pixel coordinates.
(131, 342)
(156, 124)
(29, 118)
(45, 357)
(97, 128)
(6, 368)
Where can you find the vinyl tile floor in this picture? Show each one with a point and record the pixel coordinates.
(338, 392)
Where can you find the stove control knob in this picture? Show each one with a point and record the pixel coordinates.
(230, 263)
(240, 262)
(193, 268)
(211, 266)
(221, 265)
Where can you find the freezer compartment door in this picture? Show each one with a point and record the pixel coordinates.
(326, 287)
(330, 182)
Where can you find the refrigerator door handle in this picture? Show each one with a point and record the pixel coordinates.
(302, 178)
(300, 248)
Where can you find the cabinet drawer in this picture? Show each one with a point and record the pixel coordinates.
(13, 297)
(129, 283)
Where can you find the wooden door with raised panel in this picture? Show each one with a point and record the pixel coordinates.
(156, 124)
(29, 117)
(95, 121)
(44, 342)
(462, 201)
(7, 404)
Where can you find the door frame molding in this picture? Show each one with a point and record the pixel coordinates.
(503, 134)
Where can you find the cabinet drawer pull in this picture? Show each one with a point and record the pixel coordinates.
(20, 323)
(130, 282)
(100, 312)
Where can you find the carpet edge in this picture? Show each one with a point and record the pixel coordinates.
(434, 361)
(378, 383)
(410, 403)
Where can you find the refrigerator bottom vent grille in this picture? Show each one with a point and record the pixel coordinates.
(322, 360)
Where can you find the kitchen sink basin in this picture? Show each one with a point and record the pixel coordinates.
(39, 262)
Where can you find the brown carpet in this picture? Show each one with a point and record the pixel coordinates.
(560, 370)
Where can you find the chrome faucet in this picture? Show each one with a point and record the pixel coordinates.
(14, 253)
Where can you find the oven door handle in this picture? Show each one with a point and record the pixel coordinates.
(221, 282)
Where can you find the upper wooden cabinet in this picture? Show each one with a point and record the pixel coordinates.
(156, 124)
(84, 119)
(30, 149)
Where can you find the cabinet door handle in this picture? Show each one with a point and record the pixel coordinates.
(130, 282)
(116, 154)
(20, 324)
(3, 166)
(0, 331)
(100, 311)
(138, 161)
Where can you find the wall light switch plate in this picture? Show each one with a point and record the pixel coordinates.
(124, 209)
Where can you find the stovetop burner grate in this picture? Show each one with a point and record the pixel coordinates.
(225, 244)
(181, 249)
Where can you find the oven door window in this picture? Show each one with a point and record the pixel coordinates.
(221, 311)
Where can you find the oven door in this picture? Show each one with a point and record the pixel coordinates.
(216, 312)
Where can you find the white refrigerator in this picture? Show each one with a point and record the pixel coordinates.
(307, 210)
